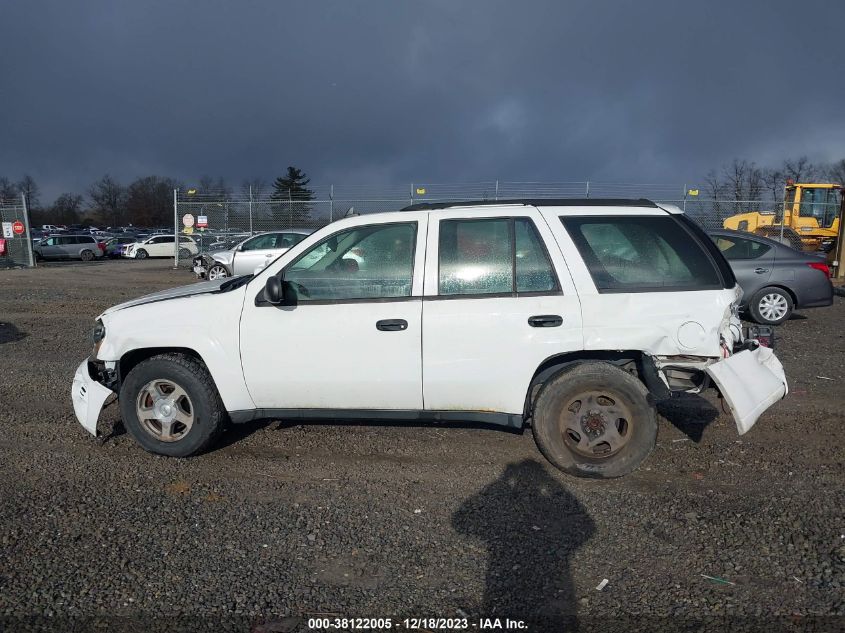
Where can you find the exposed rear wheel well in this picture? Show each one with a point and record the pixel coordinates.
(635, 362)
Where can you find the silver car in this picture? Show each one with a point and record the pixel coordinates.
(256, 251)
(84, 247)
(775, 278)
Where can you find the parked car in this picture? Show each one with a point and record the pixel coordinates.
(775, 278)
(161, 246)
(114, 245)
(247, 255)
(50, 227)
(84, 247)
(576, 315)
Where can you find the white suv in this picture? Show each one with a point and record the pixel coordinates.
(575, 316)
(161, 246)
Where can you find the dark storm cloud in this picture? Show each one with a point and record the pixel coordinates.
(373, 92)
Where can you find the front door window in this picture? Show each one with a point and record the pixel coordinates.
(366, 262)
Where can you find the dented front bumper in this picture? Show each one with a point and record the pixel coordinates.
(88, 397)
(750, 381)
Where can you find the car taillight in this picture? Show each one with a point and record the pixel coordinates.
(102, 246)
(821, 267)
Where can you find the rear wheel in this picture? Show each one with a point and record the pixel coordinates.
(140, 254)
(170, 405)
(86, 255)
(217, 272)
(184, 253)
(771, 306)
(594, 420)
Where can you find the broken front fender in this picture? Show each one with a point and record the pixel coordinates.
(88, 397)
(750, 381)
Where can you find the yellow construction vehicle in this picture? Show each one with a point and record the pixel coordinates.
(811, 217)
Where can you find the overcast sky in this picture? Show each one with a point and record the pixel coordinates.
(395, 91)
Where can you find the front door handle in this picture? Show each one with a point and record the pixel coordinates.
(392, 325)
(760, 271)
(545, 320)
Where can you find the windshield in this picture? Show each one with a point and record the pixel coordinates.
(822, 204)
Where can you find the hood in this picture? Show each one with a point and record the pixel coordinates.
(173, 293)
(224, 257)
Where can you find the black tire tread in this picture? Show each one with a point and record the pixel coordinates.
(218, 415)
(548, 439)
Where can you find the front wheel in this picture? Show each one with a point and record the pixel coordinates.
(217, 272)
(184, 253)
(140, 254)
(594, 420)
(771, 306)
(170, 405)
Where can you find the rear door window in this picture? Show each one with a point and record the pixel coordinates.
(641, 254)
(740, 248)
(493, 256)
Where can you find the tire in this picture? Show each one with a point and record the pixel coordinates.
(140, 254)
(217, 272)
(176, 427)
(579, 441)
(86, 255)
(770, 306)
(184, 253)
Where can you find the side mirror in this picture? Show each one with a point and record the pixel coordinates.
(273, 290)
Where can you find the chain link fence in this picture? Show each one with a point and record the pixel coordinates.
(222, 219)
(16, 234)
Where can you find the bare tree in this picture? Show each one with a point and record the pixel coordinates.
(8, 189)
(835, 173)
(800, 169)
(257, 186)
(66, 208)
(149, 201)
(108, 200)
(774, 182)
(29, 188)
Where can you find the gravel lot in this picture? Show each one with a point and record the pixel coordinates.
(282, 522)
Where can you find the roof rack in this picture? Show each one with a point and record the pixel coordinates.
(535, 202)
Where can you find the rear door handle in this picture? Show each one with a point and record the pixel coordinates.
(392, 325)
(545, 320)
(760, 271)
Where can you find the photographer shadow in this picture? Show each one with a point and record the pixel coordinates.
(531, 526)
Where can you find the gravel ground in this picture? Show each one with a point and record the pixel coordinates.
(283, 522)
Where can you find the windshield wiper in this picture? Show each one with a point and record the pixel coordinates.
(235, 282)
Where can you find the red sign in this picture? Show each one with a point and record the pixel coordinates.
(17, 227)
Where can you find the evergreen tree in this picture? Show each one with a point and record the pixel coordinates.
(289, 192)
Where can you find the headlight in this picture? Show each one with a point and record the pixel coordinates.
(99, 332)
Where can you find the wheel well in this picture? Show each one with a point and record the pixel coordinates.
(136, 356)
(635, 362)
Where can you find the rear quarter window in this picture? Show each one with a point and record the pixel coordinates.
(642, 254)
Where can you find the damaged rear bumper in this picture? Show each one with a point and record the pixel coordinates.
(88, 397)
(750, 381)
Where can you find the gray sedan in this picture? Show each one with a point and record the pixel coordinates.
(775, 278)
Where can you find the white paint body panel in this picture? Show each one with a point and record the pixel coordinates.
(751, 382)
(207, 323)
(88, 397)
(653, 322)
(332, 356)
